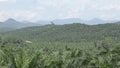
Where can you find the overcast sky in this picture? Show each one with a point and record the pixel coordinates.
(33, 10)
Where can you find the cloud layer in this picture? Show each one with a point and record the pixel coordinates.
(56, 9)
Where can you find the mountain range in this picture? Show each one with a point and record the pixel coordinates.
(12, 24)
(77, 20)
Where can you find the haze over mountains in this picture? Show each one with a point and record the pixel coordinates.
(11, 24)
(77, 20)
(93, 21)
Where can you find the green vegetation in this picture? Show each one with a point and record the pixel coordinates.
(2, 30)
(69, 33)
(61, 46)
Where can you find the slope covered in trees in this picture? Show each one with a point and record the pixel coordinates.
(69, 33)
(61, 46)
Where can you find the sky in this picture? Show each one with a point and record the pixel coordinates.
(34, 10)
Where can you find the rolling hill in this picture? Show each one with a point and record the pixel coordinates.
(68, 33)
(12, 24)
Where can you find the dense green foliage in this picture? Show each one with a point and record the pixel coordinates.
(19, 54)
(2, 30)
(61, 46)
(69, 33)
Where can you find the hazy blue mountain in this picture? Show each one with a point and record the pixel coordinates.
(95, 21)
(98, 21)
(118, 22)
(68, 21)
(61, 21)
(12, 24)
(43, 22)
(77, 20)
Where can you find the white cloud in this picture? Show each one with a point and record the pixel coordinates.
(2, 16)
(7, 1)
(105, 7)
(3, 0)
(110, 7)
(40, 8)
(107, 16)
(28, 15)
(51, 9)
(18, 14)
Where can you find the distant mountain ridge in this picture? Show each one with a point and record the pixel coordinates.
(77, 20)
(12, 24)
(11, 21)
